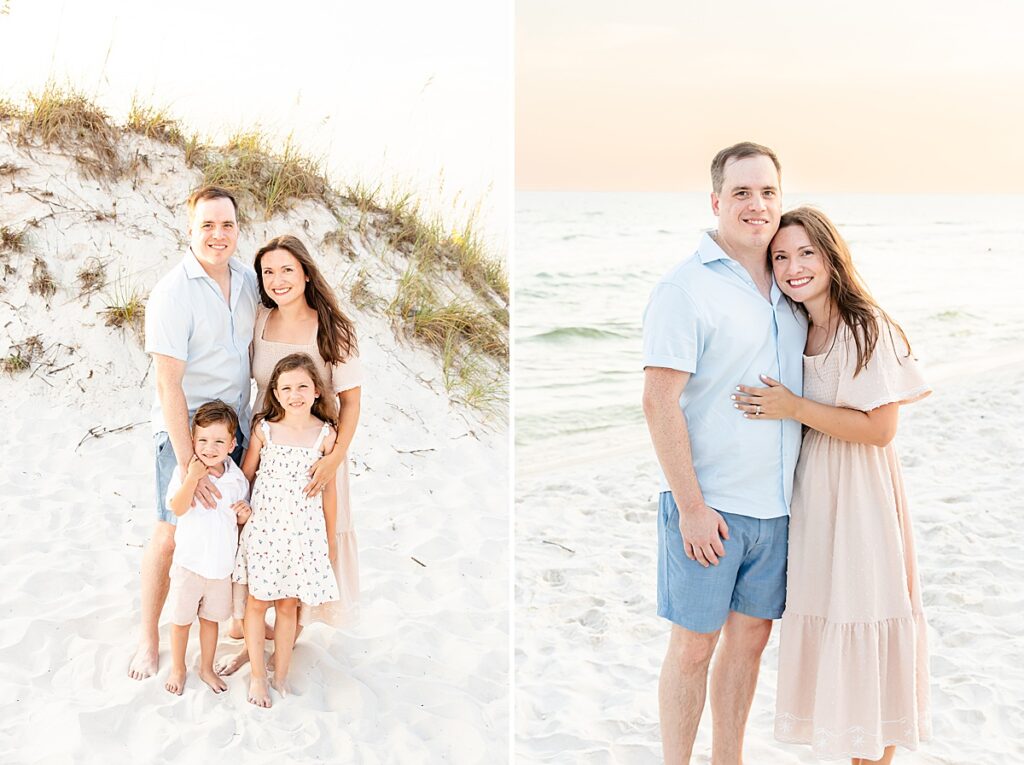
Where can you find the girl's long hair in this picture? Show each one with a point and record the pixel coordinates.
(324, 406)
(857, 309)
(336, 334)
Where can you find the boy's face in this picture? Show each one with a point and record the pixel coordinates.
(213, 443)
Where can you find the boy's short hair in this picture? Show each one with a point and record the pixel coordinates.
(213, 412)
(209, 192)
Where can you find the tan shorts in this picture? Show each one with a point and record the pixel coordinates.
(192, 594)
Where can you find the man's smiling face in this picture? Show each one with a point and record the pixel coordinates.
(750, 203)
(213, 231)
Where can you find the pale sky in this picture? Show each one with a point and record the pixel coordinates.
(869, 96)
(418, 93)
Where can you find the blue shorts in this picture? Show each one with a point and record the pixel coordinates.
(165, 464)
(750, 578)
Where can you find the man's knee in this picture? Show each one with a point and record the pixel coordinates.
(162, 541)
(691, 649)
(746, 634)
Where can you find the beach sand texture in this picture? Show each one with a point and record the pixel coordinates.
(422, 678)
(589, 645)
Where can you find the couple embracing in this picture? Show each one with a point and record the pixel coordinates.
(772, 387)
(236, 536)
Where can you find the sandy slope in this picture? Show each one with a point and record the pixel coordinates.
(422, 678)
(589, 645)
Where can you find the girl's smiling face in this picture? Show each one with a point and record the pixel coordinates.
(296, 391)
(799, 269)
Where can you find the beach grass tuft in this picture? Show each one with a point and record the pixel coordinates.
(22, 355)
(42, 283)
(63, 117)
(125, 308)
(11, 240)
(92, 277)
(272, 180)
(155, 123)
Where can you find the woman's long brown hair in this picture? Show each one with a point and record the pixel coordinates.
(847, 291)
(324, 406)
(336, 334)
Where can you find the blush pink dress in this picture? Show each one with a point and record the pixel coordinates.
(853, 663)
(339, 377)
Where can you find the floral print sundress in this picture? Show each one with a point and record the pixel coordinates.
(282, 551)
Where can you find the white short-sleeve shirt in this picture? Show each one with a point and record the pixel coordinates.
(707, 317)
(206, 537)
(188, 319)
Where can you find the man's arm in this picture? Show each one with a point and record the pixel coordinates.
(169, 374)
(702, 528)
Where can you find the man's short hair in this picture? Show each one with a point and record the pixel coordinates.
(209, 192)
(738, 151)
(213, 412)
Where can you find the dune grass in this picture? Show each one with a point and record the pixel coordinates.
(92, 277)
(42, 283)
(22, 355)
(471, 345)
(125, 308)
(156, 123)
(63, 117)
(272, 180)
(12, 240)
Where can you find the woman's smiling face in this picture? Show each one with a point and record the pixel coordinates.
(282, 276)
(799, 268)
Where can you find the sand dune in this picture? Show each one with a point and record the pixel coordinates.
(422, 678)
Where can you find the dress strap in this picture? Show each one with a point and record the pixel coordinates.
(265, 427)
(323, 434)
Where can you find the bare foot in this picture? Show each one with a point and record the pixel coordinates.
(258, 693)
(211, 678)
(175, 680)
(281, 686)
(228, 665)
(144, 663)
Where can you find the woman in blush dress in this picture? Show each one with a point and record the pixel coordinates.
(299, 314)
(853, 667)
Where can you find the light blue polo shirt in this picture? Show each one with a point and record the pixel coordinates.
(187, 318)
(706, 317)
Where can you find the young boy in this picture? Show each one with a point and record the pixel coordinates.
(205, 542)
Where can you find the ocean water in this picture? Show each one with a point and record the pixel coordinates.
(948, 268)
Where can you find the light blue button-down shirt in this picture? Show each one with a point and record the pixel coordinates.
(706, 317)
(188, 319)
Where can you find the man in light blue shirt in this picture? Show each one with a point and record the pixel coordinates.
(199, 324)
(716, 321)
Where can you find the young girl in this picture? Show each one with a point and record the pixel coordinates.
(287, 548)
(853, 668)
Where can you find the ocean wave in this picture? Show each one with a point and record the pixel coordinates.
(571, 333)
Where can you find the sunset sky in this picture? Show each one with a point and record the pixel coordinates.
(870, 96)
(391, 90)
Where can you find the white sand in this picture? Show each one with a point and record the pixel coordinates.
(589, 644)
(422, 678)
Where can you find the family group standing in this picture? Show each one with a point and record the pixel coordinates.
(772, 387)
(214, 324)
